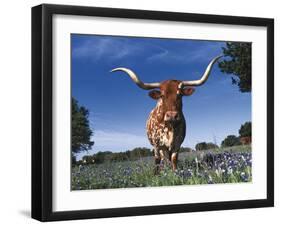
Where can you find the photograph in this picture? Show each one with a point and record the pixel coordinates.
(151, 112)
(143, 112)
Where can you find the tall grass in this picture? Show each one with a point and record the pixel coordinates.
(229, 165)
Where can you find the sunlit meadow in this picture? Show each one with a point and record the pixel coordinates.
(231, 165)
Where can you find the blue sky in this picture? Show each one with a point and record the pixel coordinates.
(119, 109)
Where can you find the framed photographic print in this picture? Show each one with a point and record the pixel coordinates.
(145, 112)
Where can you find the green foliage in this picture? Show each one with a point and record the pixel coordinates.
(205, 146)
(191, 170)
(201, 146)
(246, 130)
(239, 64)
(108, 156)
(138, 153)
(80, 129)
(211, 146)
(231, 140)
(73, 159)
(185, 149)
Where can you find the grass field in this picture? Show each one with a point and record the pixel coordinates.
(229, 165)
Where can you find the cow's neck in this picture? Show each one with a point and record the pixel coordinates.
(159, 112)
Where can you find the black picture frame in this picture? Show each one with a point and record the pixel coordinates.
(42, 111)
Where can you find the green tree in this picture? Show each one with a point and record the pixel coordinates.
(73, 159)
(185, 149)
(80, 129)
(239, 64)
(246, 130)
(205, 146)
(230, 140)
(211, 145)
(108, 156)
(201, 146)
(88, 159)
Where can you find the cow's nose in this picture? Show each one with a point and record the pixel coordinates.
(171, 116)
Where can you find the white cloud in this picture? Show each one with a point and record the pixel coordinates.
(117, 141)
(117, 48)
(160, 54)
(108, 140)
(205, 53)
(110, 48)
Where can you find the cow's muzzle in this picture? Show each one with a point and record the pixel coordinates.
(172, 116)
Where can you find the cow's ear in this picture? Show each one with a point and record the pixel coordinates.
(187, 91)
(155, 94)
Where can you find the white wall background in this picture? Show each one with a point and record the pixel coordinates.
(15, 113)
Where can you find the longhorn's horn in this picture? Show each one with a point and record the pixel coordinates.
(204, 76)
(136, 80)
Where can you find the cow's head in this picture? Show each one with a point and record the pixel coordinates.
(169, 98)
(169, 93)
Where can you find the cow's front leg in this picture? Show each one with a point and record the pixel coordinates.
(165, 157)
(174, 160)
(157, 160)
